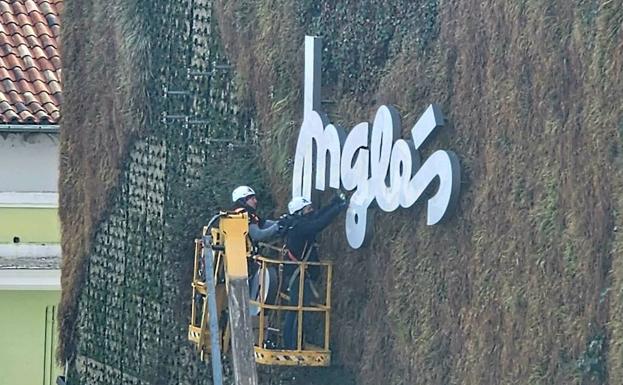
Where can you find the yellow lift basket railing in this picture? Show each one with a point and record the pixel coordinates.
(305, 354)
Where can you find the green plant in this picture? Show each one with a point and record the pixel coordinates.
(592, 362)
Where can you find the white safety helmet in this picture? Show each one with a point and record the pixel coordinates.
(297, 203)
(241, 192)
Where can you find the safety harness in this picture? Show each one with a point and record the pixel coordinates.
(295, 274)
(253, 218)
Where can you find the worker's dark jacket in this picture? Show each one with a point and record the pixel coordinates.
(301, 236)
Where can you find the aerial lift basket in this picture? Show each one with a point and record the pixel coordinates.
(268, 309)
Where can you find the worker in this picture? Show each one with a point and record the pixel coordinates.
(245, 201)
(260, 230)
(304, 225)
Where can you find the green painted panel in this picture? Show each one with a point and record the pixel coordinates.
(31, 225)
(24, 333)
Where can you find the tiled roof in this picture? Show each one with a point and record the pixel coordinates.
(30, 64)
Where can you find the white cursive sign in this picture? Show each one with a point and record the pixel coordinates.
(374, 162)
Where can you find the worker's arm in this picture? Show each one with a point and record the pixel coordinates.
(259, 234)
(320, 220)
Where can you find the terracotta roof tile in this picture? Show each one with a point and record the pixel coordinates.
(11, 25)
(55, 87)
(9, 116)
(26, 60)
(40, 90)
(31, 6)
(22, 18)
(19, 8)
(8, 85)
(26, 116)
(51, 51)
(56, 61)
(32, 40)
(42, 115)
(43, 29)
(31, 101)
(47, 41)
(47, 7)
(29, 29)
(37, 17)
(4, 74)
(34, 74)
(21, 109)
(52, 19)
(4, 105)
(46, 98)
(24, 86)
(30, 63)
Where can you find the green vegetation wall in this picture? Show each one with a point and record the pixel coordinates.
(153, 143)
(523, 286)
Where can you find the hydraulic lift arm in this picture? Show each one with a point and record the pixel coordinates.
(234, 228)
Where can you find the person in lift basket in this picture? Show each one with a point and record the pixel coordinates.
(300, 245)
(244, 200)
(260, 230)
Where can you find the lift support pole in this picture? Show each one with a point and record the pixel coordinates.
(217, 365)
(234, 228)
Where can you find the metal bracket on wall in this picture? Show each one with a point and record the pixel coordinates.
(166, 118)
(195, 73)
(192, 73)
(221, 66)
(166, 92)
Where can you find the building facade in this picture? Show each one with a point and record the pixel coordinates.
(30, 251)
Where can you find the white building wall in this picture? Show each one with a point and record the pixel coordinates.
(29, 162)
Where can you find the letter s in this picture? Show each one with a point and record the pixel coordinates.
(445, 166)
